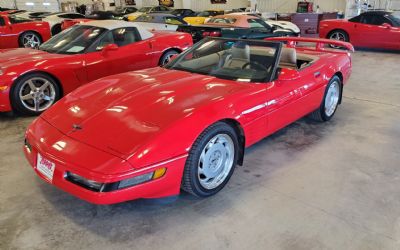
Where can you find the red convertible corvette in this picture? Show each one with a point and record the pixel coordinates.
(374, 29)
(17, 32)
(148, 133)
(33, 80)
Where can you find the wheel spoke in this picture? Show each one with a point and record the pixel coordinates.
(31, 85)
(44, 86)
(47, 98)
(27, 97)
(36, 102)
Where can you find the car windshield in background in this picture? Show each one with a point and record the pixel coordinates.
(395, 17)
(239, 60)
(73, 41)
(145, 9)
(144, 18)
(17, 19)
(205, 14)
(222, 20)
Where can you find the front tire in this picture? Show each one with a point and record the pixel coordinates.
(211, 161)
(34, 93)
(30, 39)
(330, 102)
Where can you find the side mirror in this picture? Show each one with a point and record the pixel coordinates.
(110, 47)
(287, 74)
(387, 25)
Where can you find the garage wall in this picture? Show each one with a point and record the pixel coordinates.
(283, 6)
(199, 5)
(178, 4)
(7, 3)
(38, 5)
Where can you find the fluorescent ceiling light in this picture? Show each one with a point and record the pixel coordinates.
(29, 3)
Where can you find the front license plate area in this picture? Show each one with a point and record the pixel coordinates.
(45, 167)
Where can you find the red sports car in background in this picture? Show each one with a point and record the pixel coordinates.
(67, 23)
(374, 29)
(33, 80)
(17, 32)
(146, 134)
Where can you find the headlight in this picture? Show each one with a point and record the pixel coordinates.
(108, 187)
(81, 181)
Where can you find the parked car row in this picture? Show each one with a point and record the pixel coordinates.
(107, 109)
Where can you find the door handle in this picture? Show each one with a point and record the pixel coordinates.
(317, 74)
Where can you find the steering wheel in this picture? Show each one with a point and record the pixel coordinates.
(256, 66)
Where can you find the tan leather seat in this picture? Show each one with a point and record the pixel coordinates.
(288, 58)
(239, 56)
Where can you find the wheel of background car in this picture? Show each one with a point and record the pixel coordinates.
(339, 35)
(56, 29)
(30, 39)
(166, 57)
(211, 161)
(34, 93)
(330, 102)
(256, 65)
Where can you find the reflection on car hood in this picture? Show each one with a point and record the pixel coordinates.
(13, 57)
(137, 105)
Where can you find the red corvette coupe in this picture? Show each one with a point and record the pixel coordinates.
(147, 133)
(67, 23)
(33, 80)
(375, 29)
(17, 32)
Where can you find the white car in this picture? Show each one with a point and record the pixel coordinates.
(159, 21)
(279, 25)
(31, 14)
(55, 20)
(146, 10)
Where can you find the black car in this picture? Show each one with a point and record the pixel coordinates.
(120, 12)
(183, 13)
(101, 15)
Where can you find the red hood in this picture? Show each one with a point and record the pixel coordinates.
(14, 57)
(121, 113)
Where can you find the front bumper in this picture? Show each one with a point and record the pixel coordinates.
(167, 185)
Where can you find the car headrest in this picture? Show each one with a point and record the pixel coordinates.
(288, 56)
(240, 51)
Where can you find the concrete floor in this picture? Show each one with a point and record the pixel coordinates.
(310, 186)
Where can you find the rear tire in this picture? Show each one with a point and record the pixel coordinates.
(34, 93)
(166, 57)
(339, 35)
(330, 102)
(211, 161)
(56, 29)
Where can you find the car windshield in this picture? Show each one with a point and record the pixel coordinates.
(238, 60)
(222, 20)
(17, 19)
(73, 41)
(205, 14)
(144, 18)
(145, 9)
(395, 17)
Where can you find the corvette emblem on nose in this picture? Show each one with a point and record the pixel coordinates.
(76, 127)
